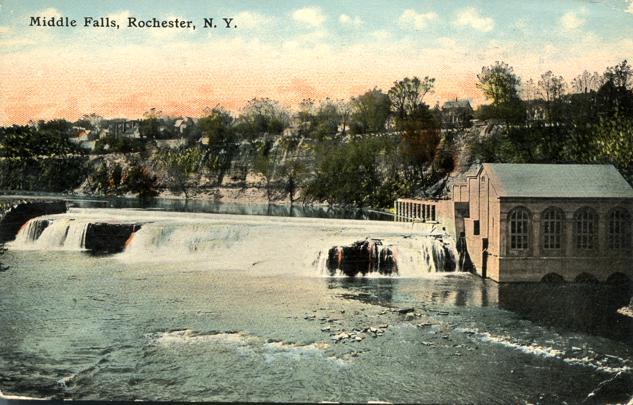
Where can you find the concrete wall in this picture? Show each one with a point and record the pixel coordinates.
(568, 262)
(483, 210)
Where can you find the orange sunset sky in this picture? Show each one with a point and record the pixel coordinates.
(287, 51)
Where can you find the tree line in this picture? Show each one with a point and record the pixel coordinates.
(361, 152)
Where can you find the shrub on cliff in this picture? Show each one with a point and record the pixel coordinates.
(138, 180)
(40, 158)
(361, 173)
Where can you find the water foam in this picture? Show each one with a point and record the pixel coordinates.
(59, 233)
(596, 362)
(237, 241)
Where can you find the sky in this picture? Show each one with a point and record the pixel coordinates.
(288, 51)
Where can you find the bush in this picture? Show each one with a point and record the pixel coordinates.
(354, 174)
(138, 180)
(40, 159)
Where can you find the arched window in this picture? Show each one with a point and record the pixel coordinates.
(519, 229)
(585, 228)
(552, 223)
(619, 231)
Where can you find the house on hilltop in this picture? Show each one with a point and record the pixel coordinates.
(456, 114)
(122, 127)
(533, 222)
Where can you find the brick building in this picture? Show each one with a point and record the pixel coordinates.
(529, 222)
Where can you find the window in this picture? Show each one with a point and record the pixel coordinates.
(552, 223)
(585, 227)
(433, 213)
(476, 227)
(519, 229)
(619, 232)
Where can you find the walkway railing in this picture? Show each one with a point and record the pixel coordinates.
(409, 210)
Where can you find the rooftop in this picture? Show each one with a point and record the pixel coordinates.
(557, 180)
(457, 104)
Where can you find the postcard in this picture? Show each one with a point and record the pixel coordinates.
(340, 202)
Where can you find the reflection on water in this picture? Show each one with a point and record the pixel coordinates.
(211, 206)
(586, 308)
(375, 291)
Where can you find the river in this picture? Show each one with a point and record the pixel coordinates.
(217, 307)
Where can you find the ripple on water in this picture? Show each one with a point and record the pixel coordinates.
(604, 363)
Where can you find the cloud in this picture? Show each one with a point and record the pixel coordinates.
(381, 35)
(308, 40)
(571, 21)
(629, 9)
(470, 17)
(355, 21)
(419, 20)
(310, 16)
(4, 29)
(48, 12)
(120, 17)
(251, 20)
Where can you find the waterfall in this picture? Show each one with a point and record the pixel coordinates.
(253, 243)
(438, 256)
(51, 234)
(30, 231)
(410, 257)
(179, 240)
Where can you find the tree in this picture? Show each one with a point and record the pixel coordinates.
(586, 82)
(294, 173)
(115, 178)
(501, 86)
(353, 174)
(138, 180)
(100, 178)
(218, 126)
(89, 121)
(264, 164)
(179, 165)
(551, 89)
(327, 120)
(621, 75)
(149, 127)
(263, 116)
(40, 158)
(306, 116)
(369, 112)
(345, 112)
(614, 142)
(407, 95)
(499, 83)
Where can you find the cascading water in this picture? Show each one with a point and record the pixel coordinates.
(426, 254)
(266, 244)
(30, 231)
(438, 255)
(51, 234)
